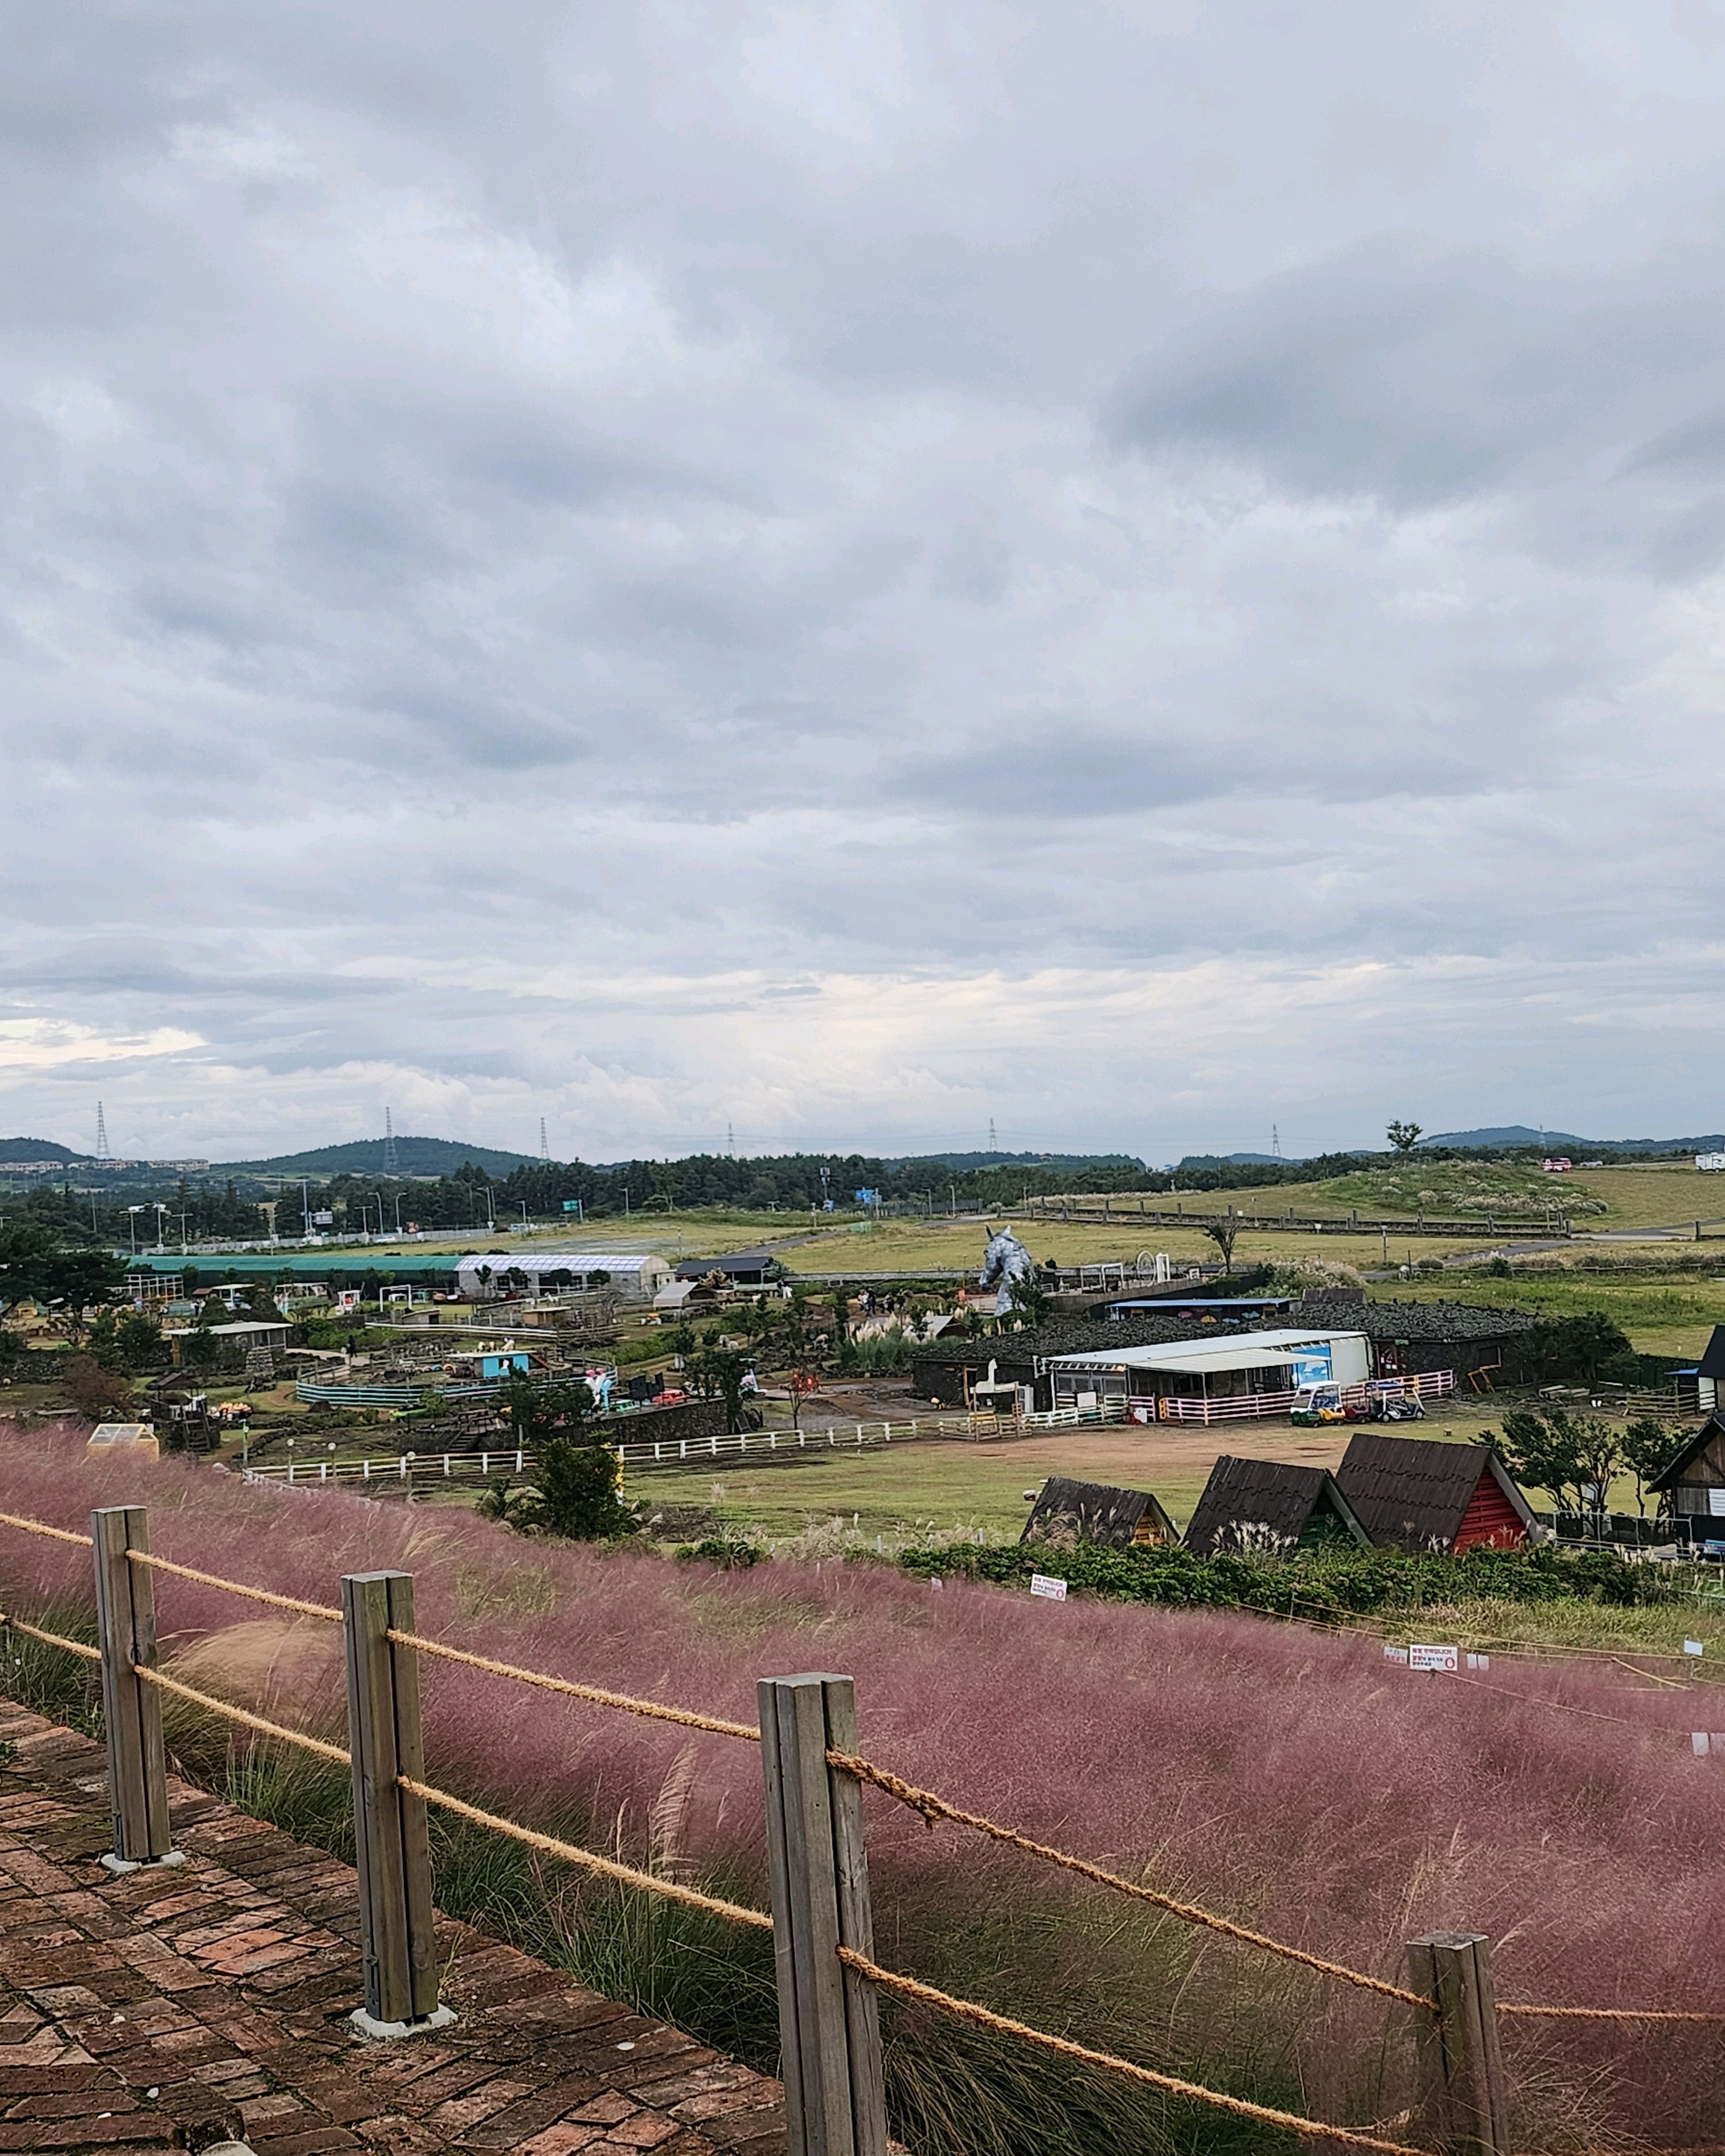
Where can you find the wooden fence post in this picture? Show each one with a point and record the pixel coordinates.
(131, 1709)
(392, 1850)
(828, 2017)
(1464, 2098)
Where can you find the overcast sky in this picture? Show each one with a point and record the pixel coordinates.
(1137, 568)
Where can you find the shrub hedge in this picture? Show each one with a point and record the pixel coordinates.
(1350, 1583)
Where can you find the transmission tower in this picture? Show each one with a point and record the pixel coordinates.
(993, 1143)
(731, 1140)
(102, 1152)
(392, 1162)
(1276, 1141)
(544, 1143)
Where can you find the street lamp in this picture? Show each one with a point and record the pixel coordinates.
(160, 1210)
(134, 1210)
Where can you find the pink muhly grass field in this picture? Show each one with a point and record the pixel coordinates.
(1290, 1780)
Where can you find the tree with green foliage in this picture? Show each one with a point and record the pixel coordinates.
(14, 1352)
(578, 1473)
(1568, 1455)
(1223, 1233)
(1648, 1446)
(719, 1372)
(1582, 1346)
(1404, 1136)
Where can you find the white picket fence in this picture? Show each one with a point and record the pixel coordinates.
(406, 1468)
(1250, 1407)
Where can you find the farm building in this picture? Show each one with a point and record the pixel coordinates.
(1419, 1493)
(636, 1276)
(1409, 1338)
(1180, 1380)
(1253, 1502)
(1068, 1512)
(947, 1371)
(741, 1269)
(1691, 1486)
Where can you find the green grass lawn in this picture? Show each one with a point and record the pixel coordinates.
(1671, 1314)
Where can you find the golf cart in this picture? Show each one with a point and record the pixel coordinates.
(1317, 1404)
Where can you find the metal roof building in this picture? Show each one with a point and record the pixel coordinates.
(1220, 1366)
(636, 1276)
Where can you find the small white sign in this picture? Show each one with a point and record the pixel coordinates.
(1433, 1658)
(1693, 1647)
(1396, 1655)
(1700, 1743)
(1051, 1589)
(937, 1583)
(1479, 1661)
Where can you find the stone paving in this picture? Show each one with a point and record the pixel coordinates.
(179, 2008)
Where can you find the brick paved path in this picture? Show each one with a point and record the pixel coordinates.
(155, 2011)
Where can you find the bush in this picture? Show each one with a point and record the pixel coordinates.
(95, 1391)
(731, 1553)
(1348, 1583)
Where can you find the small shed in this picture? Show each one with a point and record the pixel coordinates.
(1417, 1493)
(1069, 1512)
(1692, 1483)
(137, 1439)
(1247, 1501)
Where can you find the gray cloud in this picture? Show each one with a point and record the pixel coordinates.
(661, 571)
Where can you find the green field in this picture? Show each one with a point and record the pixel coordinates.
(1669, 1314)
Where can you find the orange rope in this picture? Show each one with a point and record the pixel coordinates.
(569, 1853)
(42, 1528)
(249, 1721)
(684, 1717)
(52, 1639)
(233, 1587)
(933, 1807)
(985, 2018)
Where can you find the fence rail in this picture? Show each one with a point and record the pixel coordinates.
(829, 1977)
(1250, 1407)
(669, 1452)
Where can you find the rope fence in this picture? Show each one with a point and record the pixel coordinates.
(570, 1852)
(243, 1716)
(289, 1602)
(984, 2017)
(51, 1639)
(41, 1527)
(685, 1718)
(934, 1808)
(816, 1852)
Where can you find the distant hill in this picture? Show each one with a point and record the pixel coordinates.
(365, 1156)
(16, 1149)
(1507, 1136)
(978, 1160)
(1236, 1160)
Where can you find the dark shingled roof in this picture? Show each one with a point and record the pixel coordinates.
(1412, 1493)
(1713, 1360)
(1712, 1431)
(1073, 1336)
(1405, 1322)
(1094, 1512)
(1270, 1497)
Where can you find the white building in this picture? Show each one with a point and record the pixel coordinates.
(1233, 1366)
(636, 1276)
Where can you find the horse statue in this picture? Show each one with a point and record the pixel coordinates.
(1005, 1263)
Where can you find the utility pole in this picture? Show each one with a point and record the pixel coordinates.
(305, 1207)
(134, 1211)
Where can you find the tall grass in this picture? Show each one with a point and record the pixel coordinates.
(1291, 1780)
